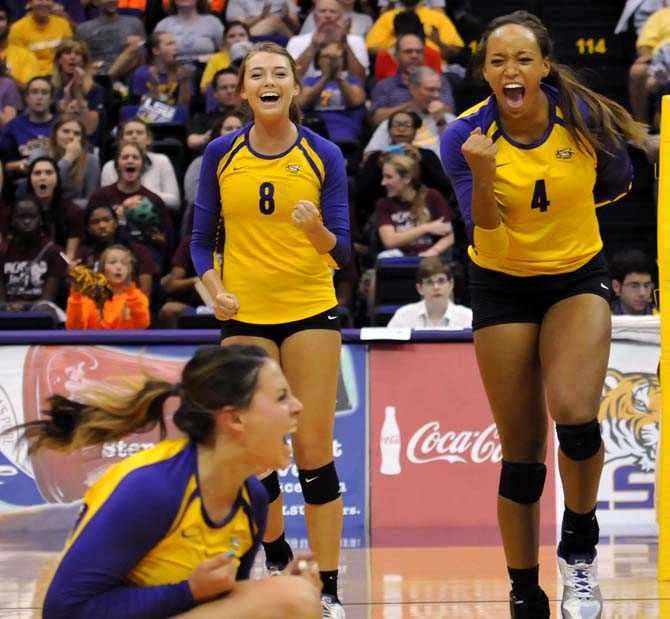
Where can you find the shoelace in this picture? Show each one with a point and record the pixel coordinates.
(581, 578)
(330, 609)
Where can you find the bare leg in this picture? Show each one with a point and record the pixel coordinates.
(311, 363)
(275, 523)
(574, 347)
(510, 369)
(169, 313)
(281, 597)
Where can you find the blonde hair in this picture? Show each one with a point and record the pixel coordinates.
(407, 166)
(78, 44)
(76, 173)
(104, 256)
(270, 48)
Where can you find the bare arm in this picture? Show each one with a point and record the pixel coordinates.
(177, 282)
(382, 113)
(309, 94)
(354, 67)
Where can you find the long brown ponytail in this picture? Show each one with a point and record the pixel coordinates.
(215, 377)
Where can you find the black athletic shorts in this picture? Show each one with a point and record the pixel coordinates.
(329, 320)
(499, 298)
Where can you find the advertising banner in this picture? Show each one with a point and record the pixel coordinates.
(30, 374)
(630, 413)
(435, 451)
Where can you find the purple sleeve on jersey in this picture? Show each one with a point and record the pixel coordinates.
(335, 202)
(207, 209)
(614, 173)
(259, 513)
(91, 579)
(138, 82)
(456, 167)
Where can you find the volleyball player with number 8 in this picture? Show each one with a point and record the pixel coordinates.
(281, 192)
(529, 166)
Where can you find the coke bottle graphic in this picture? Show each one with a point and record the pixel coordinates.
(65, 477)
(390, 443)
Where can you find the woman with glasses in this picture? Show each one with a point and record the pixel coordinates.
(529, 166)
(402, 128)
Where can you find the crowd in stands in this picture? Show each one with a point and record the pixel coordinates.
(106, 107)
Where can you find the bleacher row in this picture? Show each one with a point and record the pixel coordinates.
(583, 32)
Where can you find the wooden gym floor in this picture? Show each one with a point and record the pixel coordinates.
(393, 582)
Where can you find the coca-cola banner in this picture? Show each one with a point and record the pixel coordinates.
(29, 485)
(434, 449)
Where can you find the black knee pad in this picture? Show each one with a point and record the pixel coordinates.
(320, 485)
(522, 482)
(579, 442)
(271, 483)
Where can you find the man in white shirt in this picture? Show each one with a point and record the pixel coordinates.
(435, 283)
(330, 26)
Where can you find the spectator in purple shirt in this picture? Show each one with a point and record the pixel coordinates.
(337, 97)
(29, 131)
(393, 93)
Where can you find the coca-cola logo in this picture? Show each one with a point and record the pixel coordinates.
(429, 444)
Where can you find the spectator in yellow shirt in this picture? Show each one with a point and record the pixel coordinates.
(41, 32)
(441, 34)
(655, 32)
(21, 64)
(236, 31)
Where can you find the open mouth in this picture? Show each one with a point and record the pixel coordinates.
(270, 98)
(514, 95)
(42, 187)
(130, 169)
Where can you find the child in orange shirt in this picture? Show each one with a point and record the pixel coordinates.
(127, 309)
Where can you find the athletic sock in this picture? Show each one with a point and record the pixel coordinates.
(579, 533)
(278, 551)
(525, 582)
(329, 580)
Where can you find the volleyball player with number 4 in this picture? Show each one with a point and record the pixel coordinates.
(281, 192)
(529, 166)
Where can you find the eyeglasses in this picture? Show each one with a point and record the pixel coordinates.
(438, 281)
(648, 286)
(399, 124)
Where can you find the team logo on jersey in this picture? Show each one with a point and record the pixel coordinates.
(293, 168)
(564, 153)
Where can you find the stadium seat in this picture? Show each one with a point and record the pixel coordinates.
(394, 285)
(27, 321)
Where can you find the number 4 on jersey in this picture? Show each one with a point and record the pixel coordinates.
(540, 199)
